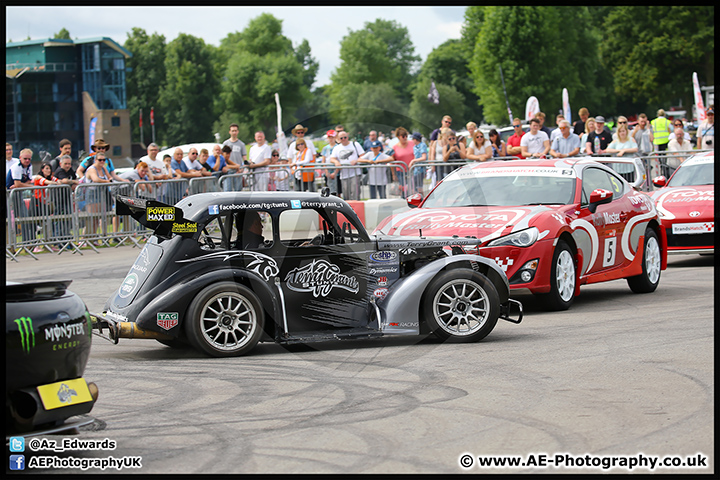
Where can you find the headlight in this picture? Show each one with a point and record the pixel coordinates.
(524, 238)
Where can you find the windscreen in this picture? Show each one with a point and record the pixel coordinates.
(505, 186)
(694, 174)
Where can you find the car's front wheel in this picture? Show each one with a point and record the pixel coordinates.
(562, 279)
(649, 279)
(461, 305)
(225, 320)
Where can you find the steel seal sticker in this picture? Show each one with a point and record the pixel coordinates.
(187, 227)
(319, 277)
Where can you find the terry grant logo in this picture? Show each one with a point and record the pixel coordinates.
(27, 334)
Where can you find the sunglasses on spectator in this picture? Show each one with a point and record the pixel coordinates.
(517, 126)
(447, 121)
(403, 135)
(100, 159)
(622, 122)
(275, 155)
(101, 148)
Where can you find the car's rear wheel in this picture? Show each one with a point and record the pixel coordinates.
(225, 320)
(562, 279)
(649, 279)
(461, 305)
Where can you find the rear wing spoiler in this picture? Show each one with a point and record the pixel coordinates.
(162, 219)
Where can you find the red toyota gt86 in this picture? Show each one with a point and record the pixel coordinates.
(551, 225)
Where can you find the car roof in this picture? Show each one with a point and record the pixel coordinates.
(574, 163)
(196, 207)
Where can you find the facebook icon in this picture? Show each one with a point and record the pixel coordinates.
(17, 462)
(213, 210)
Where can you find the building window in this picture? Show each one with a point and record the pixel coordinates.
(115, 121)
(117, 150)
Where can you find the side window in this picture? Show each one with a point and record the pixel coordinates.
(299, 227)
(244, 230)
(211, 235)
(305, 228)
(594, 178)
(250, 230)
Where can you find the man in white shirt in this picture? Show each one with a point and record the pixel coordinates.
(348, 153)
(535, 143)
(192, 164)
(259, 158)
(156, 168)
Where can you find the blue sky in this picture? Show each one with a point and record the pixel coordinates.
(323, 27)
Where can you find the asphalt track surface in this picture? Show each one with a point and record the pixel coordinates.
(618, 375)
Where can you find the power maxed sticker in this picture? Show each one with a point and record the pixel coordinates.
(160, 214)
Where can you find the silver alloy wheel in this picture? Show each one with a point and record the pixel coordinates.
(565, 276)
(461, 307)
(228, 321)
(652, 259)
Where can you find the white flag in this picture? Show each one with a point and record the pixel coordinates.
(434, 95)
(697, 93)
(531, 108)
(566, 105)
(282, 143)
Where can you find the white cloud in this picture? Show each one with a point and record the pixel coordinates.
(323, 27)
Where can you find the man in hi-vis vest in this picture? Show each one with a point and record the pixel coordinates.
(661, 129)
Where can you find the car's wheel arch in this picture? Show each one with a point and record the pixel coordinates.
(497, 279)
(189, 290)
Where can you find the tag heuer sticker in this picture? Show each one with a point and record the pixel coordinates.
(167, 320)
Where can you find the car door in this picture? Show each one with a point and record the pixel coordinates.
(609, 219)
(323, 273)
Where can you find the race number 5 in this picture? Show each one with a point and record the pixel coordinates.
(609, 253)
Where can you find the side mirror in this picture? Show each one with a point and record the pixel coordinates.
(415, 200)
(660, 181)
(599, 196)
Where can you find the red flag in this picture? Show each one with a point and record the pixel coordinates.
(152, 116)
(141, 118)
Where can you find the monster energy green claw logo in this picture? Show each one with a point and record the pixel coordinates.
(27, 334)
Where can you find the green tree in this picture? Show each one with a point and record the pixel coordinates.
(63, 34)
(186, 99)
(539, 56)
(145, 80)
(262, 62)
(653, 51)
(426, 115)
(379, 57)
(446, 65)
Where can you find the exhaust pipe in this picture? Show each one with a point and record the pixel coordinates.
(131, 330)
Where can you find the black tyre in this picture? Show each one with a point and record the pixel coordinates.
(461, 305)
(563, 276)
(225, 320)
(649, 279)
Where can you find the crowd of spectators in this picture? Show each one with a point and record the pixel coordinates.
(401, 160)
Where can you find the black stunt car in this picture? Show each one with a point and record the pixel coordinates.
(48, 334)
(224, 271)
